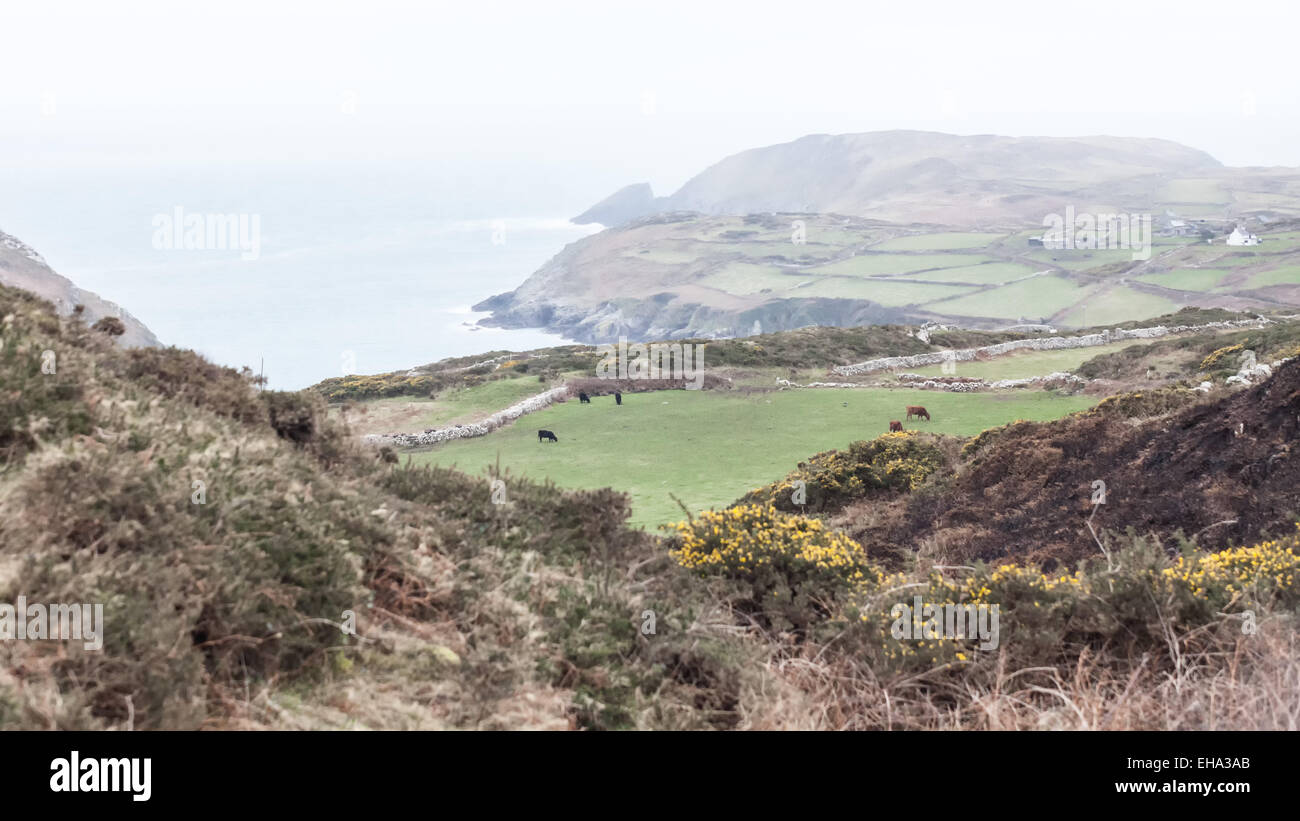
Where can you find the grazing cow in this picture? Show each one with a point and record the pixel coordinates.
(584, 398)
(543, 435)
(895, 426)
(918, 411)
(618, 398)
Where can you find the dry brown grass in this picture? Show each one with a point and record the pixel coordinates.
(1253, 684)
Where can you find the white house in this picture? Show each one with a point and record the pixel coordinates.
(1240, 237)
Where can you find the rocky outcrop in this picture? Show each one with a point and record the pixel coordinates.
(624, 205)
(1252, 372)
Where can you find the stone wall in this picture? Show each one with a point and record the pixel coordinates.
(496, 420)
(1050, 343)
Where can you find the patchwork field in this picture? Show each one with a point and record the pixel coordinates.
(990, 273)
(1021, 365)
(1286, 275)
(1038, 297)
(709, 448)
(1119, 305)
(1187, 279)
(884, 291)
(877, 264)
(1080, 260)
(937, 242)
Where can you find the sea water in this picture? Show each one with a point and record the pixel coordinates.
(354, 272)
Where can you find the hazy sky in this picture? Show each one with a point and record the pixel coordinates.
(606, 93)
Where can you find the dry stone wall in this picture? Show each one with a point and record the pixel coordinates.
(1046, 343)
(496, 420)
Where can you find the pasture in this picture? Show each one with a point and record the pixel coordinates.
(937, 242)
(880, 264)
(1031, 298)
(890, 292)
(453, 406)
(1024, 364)
(1118, 305)
(990, 273)
(710, 448)
(1286, 275)
(1187, 279)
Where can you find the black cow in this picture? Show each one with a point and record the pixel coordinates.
(543, 435)
(584, 398)
(618, 398)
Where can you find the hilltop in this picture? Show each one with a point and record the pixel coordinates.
(975, 181)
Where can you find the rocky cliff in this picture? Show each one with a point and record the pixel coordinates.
(21, 267)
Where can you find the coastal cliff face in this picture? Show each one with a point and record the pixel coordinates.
(21, 267)
(680, 275)
(827, 230)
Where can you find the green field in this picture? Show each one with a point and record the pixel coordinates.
(1221, 258)
(457, 405)
(990, 273)
(1080, 260)
(873, 264)
(889, 292)
(1119, 305)
(747, 278)
(937, 242)
(1286, 275)
(1027, 363)
(1187, 279)
(710, 448)
(1031, 298)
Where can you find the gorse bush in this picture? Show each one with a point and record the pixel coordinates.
(1120, 611)
(1218, 358)
(791, 567)
(1234, 580)
(748, 541)
(891, 462)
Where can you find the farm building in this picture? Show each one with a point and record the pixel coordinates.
(1240, 237)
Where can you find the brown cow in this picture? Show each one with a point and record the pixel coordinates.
(918, 411)
(895, 426)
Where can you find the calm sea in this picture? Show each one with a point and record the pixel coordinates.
(356, 272)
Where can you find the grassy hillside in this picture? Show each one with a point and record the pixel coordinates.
(718, 275)
(232, 535)
(708, 447)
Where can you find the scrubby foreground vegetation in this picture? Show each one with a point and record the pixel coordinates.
(234, 536)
